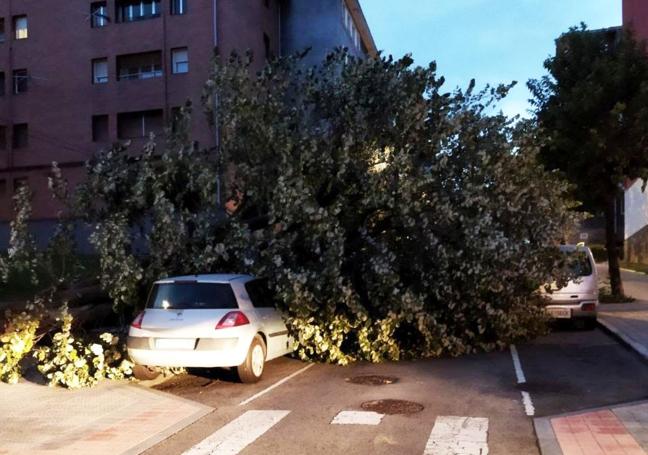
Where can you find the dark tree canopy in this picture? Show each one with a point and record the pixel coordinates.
(592, 110)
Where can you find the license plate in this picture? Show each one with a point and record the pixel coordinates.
(559, 313)
(182, 344)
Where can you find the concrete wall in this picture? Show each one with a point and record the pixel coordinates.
(636, 224)
(636, 209)
(318, 24)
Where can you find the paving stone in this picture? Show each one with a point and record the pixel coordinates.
(111, 419)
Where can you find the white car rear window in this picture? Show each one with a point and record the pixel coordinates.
(192, 296)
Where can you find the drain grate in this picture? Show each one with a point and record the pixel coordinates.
(391, 407)
(372, 379)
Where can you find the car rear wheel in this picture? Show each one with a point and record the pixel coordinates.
(252, 369)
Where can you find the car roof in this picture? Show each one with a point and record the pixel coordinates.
(222, 278)
(572, 248)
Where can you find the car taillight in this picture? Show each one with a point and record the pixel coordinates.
(232, 319)
(588, 306)
(137, 322)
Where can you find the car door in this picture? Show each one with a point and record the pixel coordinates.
(273, 324)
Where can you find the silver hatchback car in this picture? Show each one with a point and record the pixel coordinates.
(210, 321)
(579, 300)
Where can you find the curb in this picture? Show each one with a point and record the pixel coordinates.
(547, 440)
(625, 339)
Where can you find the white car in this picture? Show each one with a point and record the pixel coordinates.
(579, 300)
(209, 321)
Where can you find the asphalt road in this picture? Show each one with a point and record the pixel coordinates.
(565, 371)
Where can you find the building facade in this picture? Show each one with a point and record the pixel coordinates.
(635, 200)
(635, 15)
(79, 76)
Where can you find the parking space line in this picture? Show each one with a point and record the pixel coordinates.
(275, 385)
(357, 418)
(238, 434)
(452, 435)
(519, 373)
(529, 409)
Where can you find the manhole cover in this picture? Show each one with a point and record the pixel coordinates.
(372, 379)
(392, 407)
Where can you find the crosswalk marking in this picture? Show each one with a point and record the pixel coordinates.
(453, 435)
(238, 434)
(357, 418)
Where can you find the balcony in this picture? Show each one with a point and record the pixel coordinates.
(144, 65)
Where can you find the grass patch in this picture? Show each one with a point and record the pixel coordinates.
(635, 266)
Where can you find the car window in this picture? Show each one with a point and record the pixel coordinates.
(578, 263)
(192, 296)
(259, 293)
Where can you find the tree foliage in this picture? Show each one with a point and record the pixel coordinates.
(392, 219)
(592, 110)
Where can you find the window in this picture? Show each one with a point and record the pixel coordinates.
(139, 66)
(20, 27)
(3, 137)
(266, 46)
(2, 29)
(191, 295)
(20, 79)
(132, 125)
(98, 15)
(100, 71)
(178, 7)
(2, 83)
(349, 24)
(179, 60)
(137, 10)
(20, 137)
(100, 128)
(259, 293)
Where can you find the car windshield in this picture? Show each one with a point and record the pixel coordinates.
(191, 296)
(577, 263)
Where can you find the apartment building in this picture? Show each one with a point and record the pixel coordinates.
(78, 75)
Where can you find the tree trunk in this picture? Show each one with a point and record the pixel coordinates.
(612, 246)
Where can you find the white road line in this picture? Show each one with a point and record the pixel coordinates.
(528, 404)
(357, 418)
(276, 384)
(517, 365)
(458, 436)
(238, 434)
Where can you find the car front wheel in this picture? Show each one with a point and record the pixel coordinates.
(252, 369)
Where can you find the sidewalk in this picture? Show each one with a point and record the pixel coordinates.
(628, 321)
(112, 419)
(620, 430)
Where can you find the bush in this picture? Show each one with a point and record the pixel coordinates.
(75, 363)
(17, 341)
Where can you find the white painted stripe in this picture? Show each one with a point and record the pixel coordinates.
(276, 384)
(458, 436)
(519, 373)
(357, 418)
(238, 434)
(528, 404)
